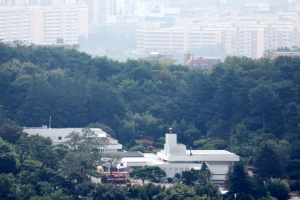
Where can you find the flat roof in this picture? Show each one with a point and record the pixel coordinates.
(134, 154)
(209, 152)
(60, 131)
(152, 158)
(150, 161)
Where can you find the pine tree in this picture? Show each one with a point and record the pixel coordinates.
(267, 162)
(238, 181)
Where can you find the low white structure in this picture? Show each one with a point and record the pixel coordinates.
(58, 135)
(176, 159)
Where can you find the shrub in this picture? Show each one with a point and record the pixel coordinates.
(295, 185)
(279, 189)
(137, 148)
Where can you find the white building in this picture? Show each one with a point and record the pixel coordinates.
(43, 24)
(240, 33)
(58, 136)
(15, 23)
(175, 158)
(99, 10)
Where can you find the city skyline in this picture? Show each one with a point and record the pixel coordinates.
(240, 27)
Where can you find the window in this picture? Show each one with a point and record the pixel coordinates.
(59, 138)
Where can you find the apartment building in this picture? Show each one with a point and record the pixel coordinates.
(177, 38)
(243, 42)
(240, 34)
(111, 12)
(16, 24)
(235, 2)
(43, 24)
(99, 10)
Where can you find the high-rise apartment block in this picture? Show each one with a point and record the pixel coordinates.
(107, 12)
(240, 35)
(244, 42)
(99, 10)
(43, 22)
(16, 24)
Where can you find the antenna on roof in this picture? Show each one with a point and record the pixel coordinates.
(50, 122)
(170, 130)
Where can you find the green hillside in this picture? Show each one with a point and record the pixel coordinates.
(249, 107)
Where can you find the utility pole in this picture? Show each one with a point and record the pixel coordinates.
(50, 122)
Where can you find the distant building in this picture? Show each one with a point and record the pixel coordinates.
(58, 136)
(232, 2)
(239, 33)
(59, 44)
(65, 46)
(200, 62)
(43, 24)
(236, 41)
(157, 57)
(99, 10)
(179, 38)
(175, 158)
(275, 54)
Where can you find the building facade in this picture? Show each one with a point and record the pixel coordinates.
(293, 54)
(43, 24)
(238, 34)
(200, 62)
(175, 158)
(58, 136)
(16, 24)
(99, 10)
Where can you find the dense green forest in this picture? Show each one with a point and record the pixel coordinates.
(249, 107)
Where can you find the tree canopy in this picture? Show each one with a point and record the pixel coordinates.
(248, 106)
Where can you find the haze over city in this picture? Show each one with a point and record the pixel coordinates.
(122, 29)
(149, 99)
